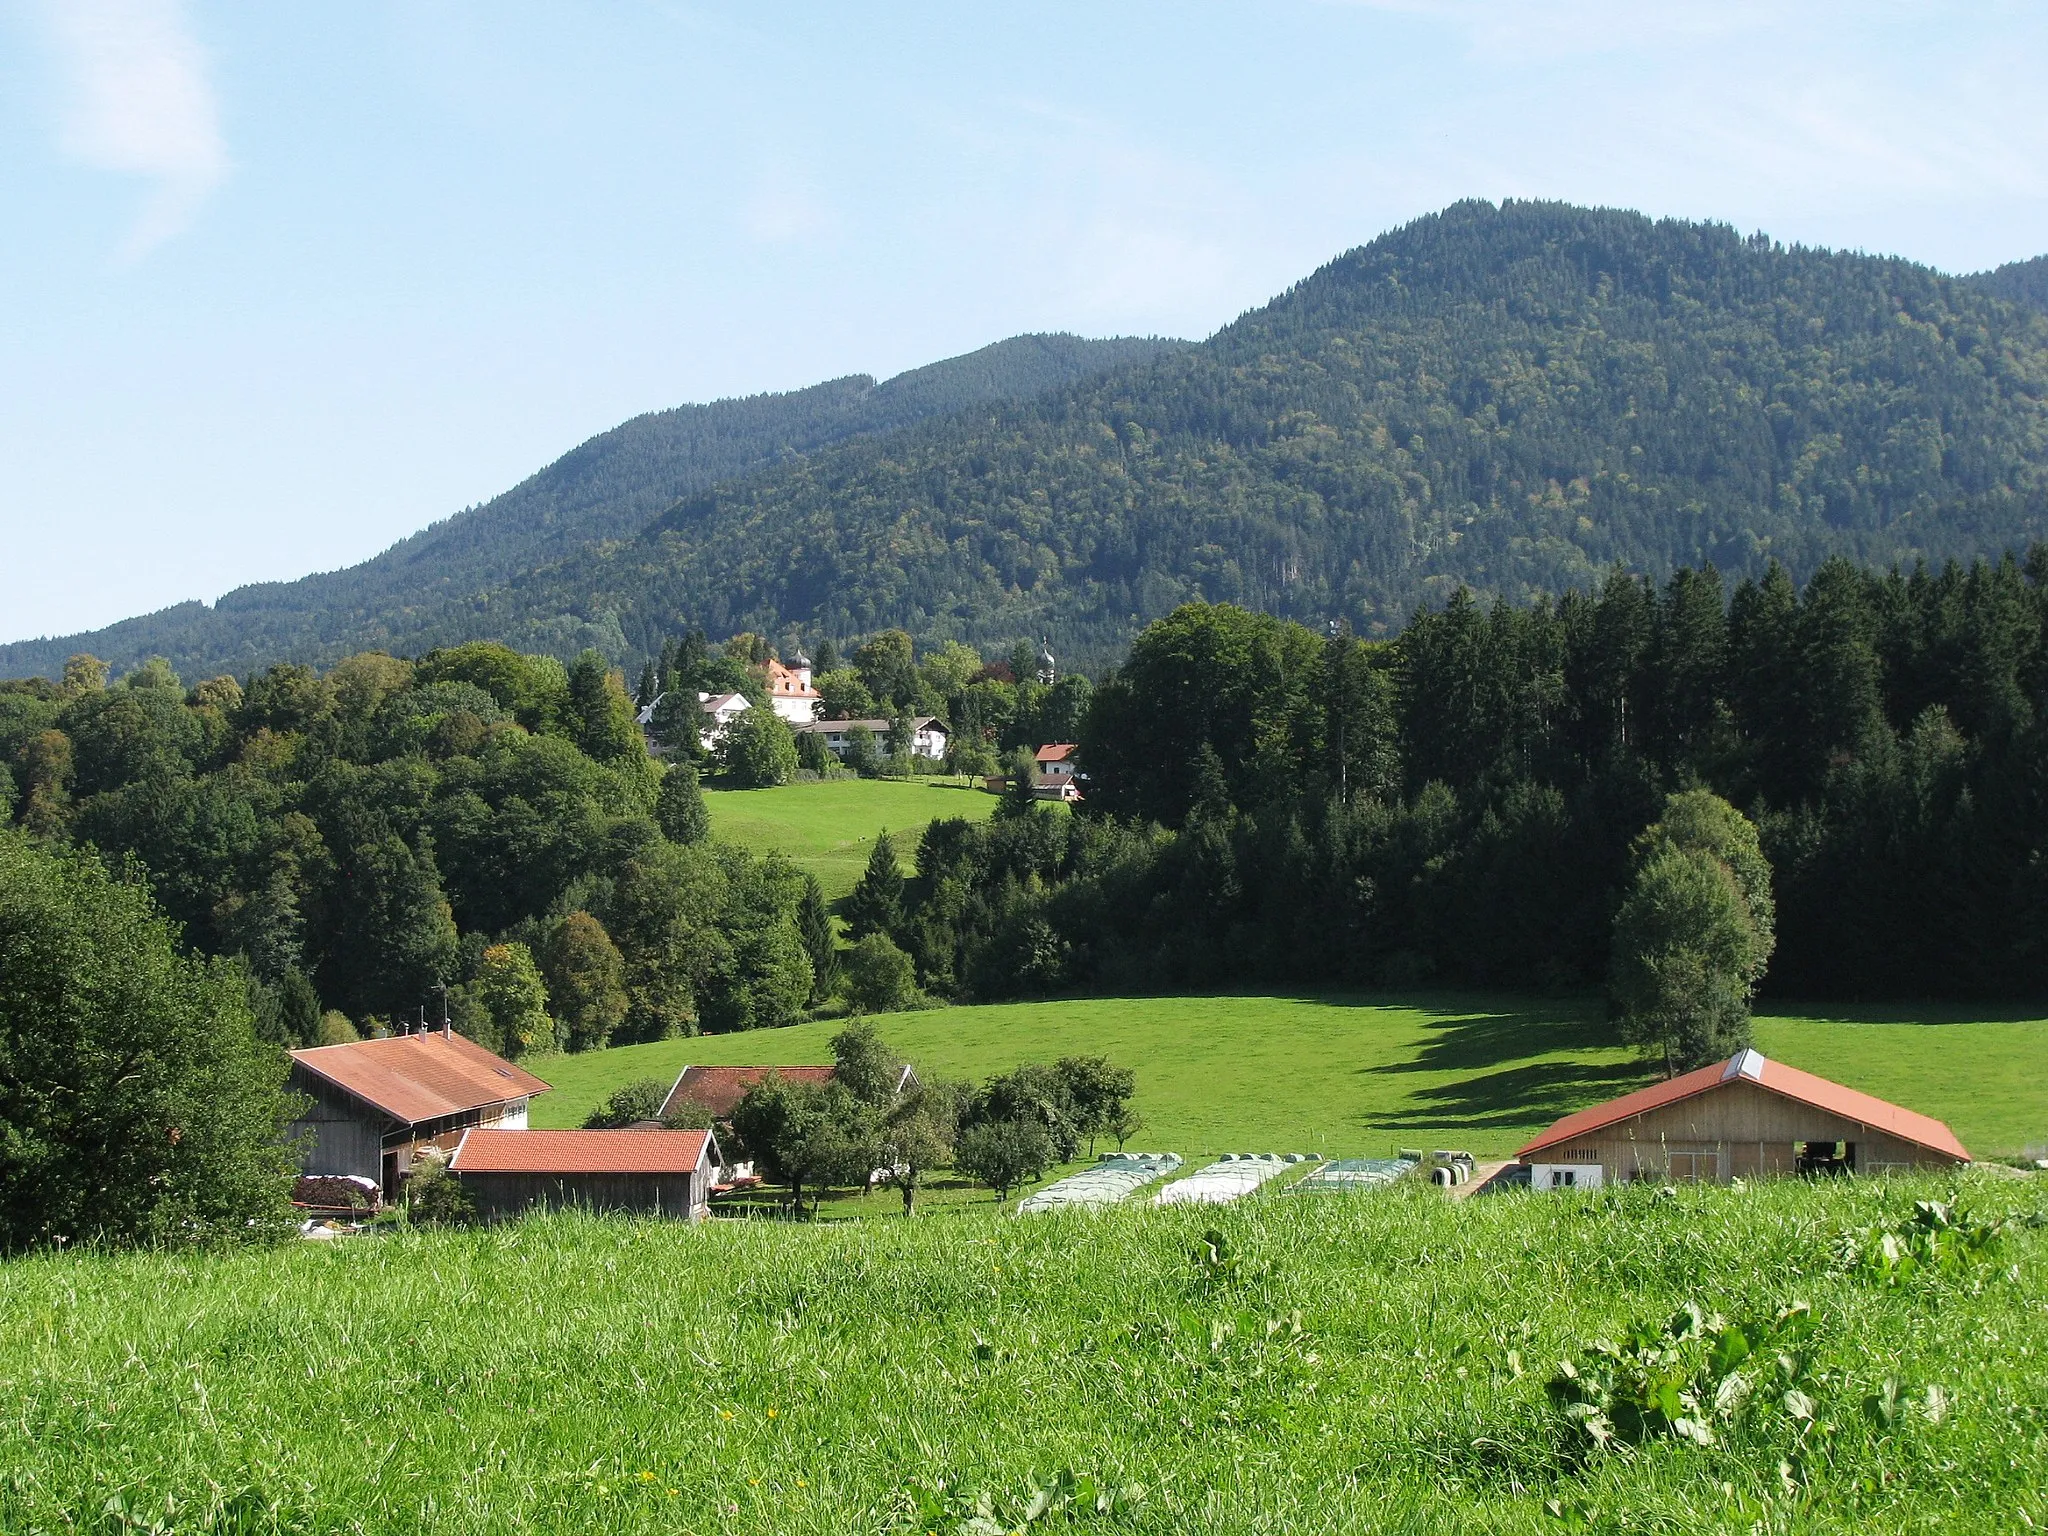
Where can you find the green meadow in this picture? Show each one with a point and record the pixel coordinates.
(1321, 1364)
(828, 828)
(1360, 1076)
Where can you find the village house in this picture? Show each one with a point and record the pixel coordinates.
(1056, 779)
(646, 1172)
(927, 735)
(1747, 1117)
(376, 1103)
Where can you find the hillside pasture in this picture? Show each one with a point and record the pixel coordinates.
(828, 828)
(1363, 1075)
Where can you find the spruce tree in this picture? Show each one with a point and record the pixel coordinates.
(814, 923)
(679, 805)
(876, 905)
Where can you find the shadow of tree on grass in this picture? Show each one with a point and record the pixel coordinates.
(1498, 1085)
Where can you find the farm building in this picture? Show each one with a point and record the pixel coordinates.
(653, 1173)
(715, 1092)
(1056, 778)
(1747, 1117)
(374, 1102)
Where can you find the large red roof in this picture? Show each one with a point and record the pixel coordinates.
(420, 1077)
(492, 1151)
(1772, 1077)
(720, 1089)
(1058, 752)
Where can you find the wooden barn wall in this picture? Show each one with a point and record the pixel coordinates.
(340, 1136)
(1752, 1132)
(508, 1194)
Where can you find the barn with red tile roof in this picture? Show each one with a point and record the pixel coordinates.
(651, 1173)
(1746, 1117)
(375, 1102)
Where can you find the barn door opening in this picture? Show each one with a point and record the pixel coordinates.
(1825, 1157)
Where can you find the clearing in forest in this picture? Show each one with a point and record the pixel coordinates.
(828, 828)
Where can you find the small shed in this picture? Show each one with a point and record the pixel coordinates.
(375, 1102)
(1747, 1117)
(651, 1173)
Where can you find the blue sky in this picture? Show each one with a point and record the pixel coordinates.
(284, 282)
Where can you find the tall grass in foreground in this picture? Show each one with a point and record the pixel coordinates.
(1333, 1365)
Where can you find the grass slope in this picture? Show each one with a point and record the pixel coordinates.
(829, 828)
(1361, 1075)
(1375, 1364)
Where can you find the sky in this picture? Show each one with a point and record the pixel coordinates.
(281, 284)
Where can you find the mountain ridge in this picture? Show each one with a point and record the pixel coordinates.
(606, 488)
(1513, 398)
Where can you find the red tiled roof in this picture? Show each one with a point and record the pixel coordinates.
(1058, 752)
(491, 1151)
(720, 1089)
(1773, 1077)
(420, 1077)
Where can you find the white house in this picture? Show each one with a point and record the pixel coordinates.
(790, 692)
(1056, 773)
(927, 737)
(720, 710)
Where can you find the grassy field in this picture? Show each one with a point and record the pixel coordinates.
(1359, 1076)
(829, 828)
(1372, 1364)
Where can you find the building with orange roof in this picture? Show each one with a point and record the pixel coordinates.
(374, 1104)
(790, 691)
(648, 1172)
(1747, 1117)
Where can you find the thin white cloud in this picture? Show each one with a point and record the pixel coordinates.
(139, 103)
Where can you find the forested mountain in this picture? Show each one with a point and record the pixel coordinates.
(2023, 282)
(1511, 397)
(611, 487)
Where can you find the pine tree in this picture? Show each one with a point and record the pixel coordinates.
(814, 923)
(876, 905)
(679, 805)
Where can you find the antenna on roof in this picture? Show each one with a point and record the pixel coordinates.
(447, 1028)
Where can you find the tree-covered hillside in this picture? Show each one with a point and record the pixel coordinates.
(611, 487)
(1513, 397)
(2023, 282)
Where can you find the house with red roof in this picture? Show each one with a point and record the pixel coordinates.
(373, 1104)
(646, 1172)
(1748, 1117)
(1055, 765)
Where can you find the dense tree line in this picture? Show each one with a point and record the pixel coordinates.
(427, 590)
(1512, 398)
(475, 820)
(1468, 802)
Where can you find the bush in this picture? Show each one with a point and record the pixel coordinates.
(435, 1197)
(758, 751)
(879, 977)
(631, 1104)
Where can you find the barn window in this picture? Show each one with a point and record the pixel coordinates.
(1585, 1154)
